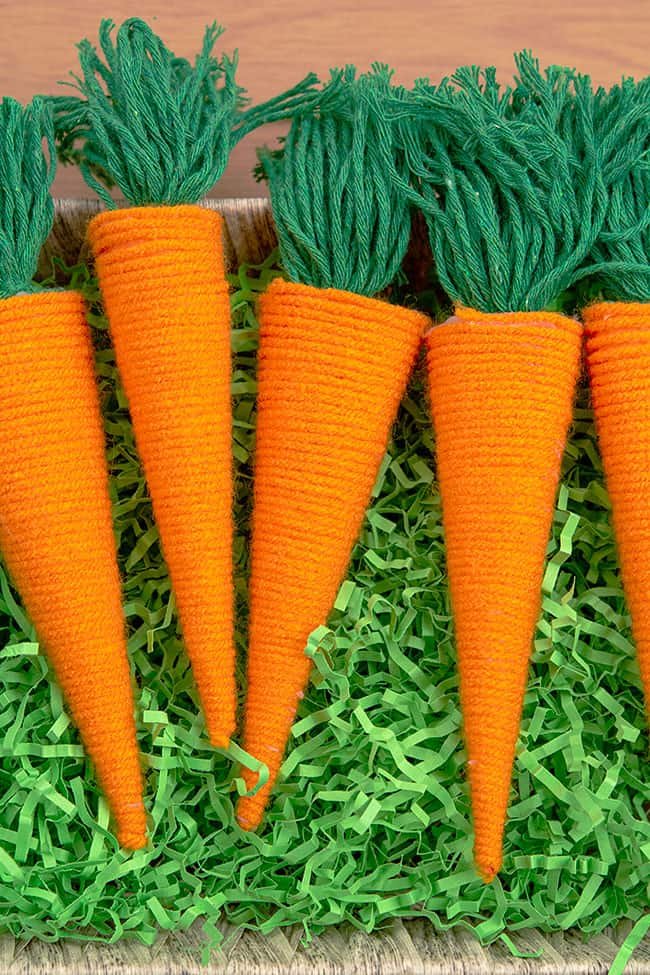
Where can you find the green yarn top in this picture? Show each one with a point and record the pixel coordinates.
(158, 127)
(342, 222)
(621, 254)
(26, 206)
(509, 181)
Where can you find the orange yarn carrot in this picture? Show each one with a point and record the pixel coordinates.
(618, 360)
(333, 365)
(56, 534)
(501, 389)
(617, 346)
(161, 272)
(509, 224)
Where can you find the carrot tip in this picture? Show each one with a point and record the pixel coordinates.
(132, 841)
(487, 871)
(249, 814)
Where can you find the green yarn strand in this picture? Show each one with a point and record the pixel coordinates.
(158, 127)
(26, 206)
(341, 220)
(509, 180)
(276, 109)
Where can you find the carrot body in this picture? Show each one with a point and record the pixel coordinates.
(162, 277)
(332, 370)
(56, 532)
(501, 389)
(618, 362)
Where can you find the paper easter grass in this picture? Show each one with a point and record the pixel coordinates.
(371, 818)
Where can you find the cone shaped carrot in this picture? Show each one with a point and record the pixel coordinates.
(171, 333)
(333, 366)
(618, 361)
(509, 225)
(501, 389)
(617, 345)
(56, 533)
(161, 271)
(321, 435)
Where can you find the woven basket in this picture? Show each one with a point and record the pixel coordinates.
(402, 948)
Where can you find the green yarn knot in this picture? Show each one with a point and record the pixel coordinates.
(26, 206)
(160, 128)
(509, 180)
(340, 217)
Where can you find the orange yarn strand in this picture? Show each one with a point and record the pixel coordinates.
(161, 273)
(332, 370)
(56, 533)
(618, 361)
(501, 389)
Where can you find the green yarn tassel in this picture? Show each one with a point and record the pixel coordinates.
(153, 124)
(509, 181)
(621, 254)
(340, 217)
(26, 206)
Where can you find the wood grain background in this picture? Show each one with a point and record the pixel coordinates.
(281, 40)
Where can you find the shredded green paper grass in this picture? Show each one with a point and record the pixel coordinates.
(371, 819)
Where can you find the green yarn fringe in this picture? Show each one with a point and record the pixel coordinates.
(153, 124)
(26, 206)
(528, 191)
(509, 180)
(341, 219)
(620, 259)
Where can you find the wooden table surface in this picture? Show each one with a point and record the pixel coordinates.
(281, 40)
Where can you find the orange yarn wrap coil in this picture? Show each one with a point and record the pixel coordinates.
(162, 277)
(333, 367)
(56, 532)
(501, 390)
(618, 361)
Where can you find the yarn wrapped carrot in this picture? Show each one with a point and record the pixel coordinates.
(333, 365)
(162, 130)
(617, 333)
(509, 184)
(56, 534)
